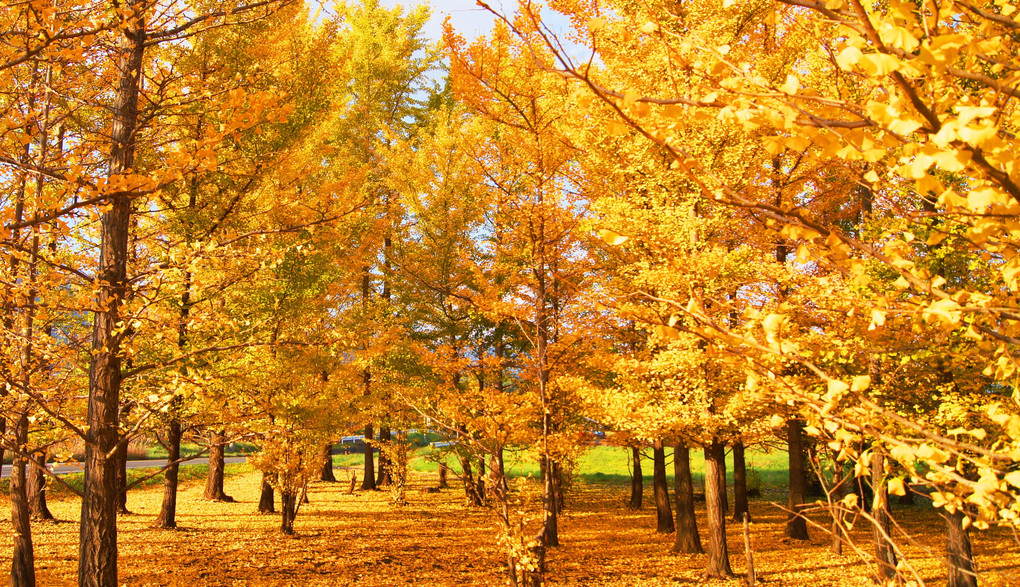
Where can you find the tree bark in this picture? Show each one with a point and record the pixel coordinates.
(723, 484)
(97, 557)
(959, 557)
(168, 511)
(687, 539)
(480, 480)
(383, 479)
(23, 556)
(443, 473)
(37, 490)
(637, 480)
(368, 481)
(718, 563)
(266, 504)
(327, 464)
(664, 515)
(885, 556)
(122, 456)
(550, 535)
(739, 482)
(796, 525)
(470, 493)
(214, 482)
(288, 505)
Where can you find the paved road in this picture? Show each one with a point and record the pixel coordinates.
(150, 464)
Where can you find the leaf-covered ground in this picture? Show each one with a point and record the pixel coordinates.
(433, 540)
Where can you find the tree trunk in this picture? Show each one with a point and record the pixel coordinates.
(470, 493)
(383, 478)
(884, 554)
(23, 556)
(796, 525)
(501, 471)
(959, 557)
(327, 464)
(739, 482)
(480, 480)
(266, 505)
(368, 482)
(723, 484)
(168, 511)
(561, 498)
(718, 563)
(37, 490)
(288, 505)
(122, 455)
(97, 553)
(637, 480)
(664, 515)
(443, 473)
(550, 535)
(214, 482)
(687, 539)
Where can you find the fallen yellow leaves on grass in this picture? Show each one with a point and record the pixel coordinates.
(363, 540)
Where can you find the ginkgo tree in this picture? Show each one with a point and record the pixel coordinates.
(852, 101)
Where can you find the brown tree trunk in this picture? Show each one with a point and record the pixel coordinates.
(443, 473)
(288, 506)
(723, 484)
(383, 477)
(480, 480)
(687, 539)
(637, 480)
(796, 525)
(663, 513)
(501, 471)
(561, 498)
(327, 464)
(550, 535)
(23, 555)
(885, 556)
(37, 490)
(739, 482)
(959, 557)
(97, 553)
(121, 456)
(368, 481)
(266, 504)
(718, 563)
(214, 482)
(168, 511)
(470, 493)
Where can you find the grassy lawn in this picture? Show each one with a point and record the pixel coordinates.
(607, 464)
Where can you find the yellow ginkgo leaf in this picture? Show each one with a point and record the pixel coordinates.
(612, 238)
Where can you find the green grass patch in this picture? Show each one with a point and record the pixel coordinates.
(606, 464)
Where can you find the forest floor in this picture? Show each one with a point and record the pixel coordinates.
(364, 540)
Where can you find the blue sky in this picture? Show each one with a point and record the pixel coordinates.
(465, 15)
